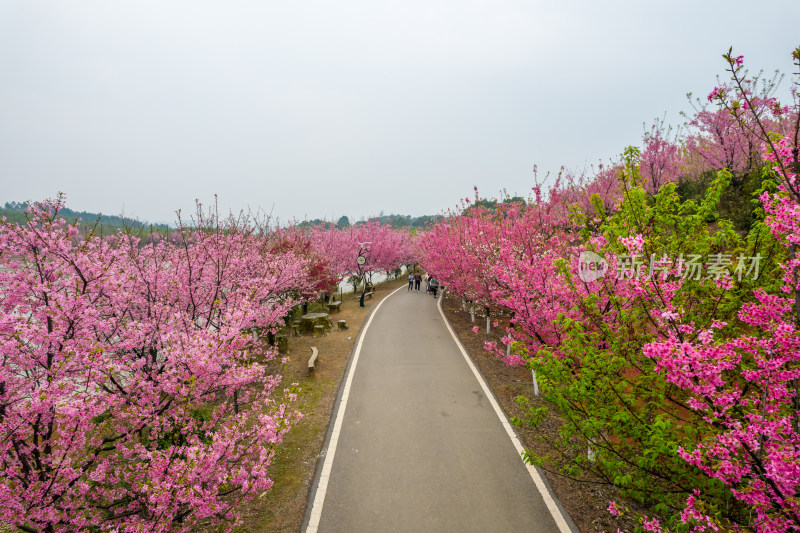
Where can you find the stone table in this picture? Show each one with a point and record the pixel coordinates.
(308, 321)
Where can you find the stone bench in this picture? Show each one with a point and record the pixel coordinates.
(369, 294)
(342, 325)
(313, 361)
(334, 306)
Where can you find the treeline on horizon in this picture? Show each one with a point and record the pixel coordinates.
(395, 221)
(405, 221)
(15, 212)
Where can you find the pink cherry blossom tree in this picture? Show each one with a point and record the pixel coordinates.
(383, 248)
(746, 384)
(130, 394)
(661, 157)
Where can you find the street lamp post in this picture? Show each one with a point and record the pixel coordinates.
(360, 266)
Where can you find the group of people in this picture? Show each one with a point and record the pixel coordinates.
(415, 281)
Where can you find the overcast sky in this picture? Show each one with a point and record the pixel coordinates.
(321, 109)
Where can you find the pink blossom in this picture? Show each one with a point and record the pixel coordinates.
(613, 508)
(716, 93)
(651, 524)
(670, 315)
(634, 244)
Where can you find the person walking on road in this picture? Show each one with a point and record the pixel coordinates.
(434, 286)
(410, 282)
(417, 280)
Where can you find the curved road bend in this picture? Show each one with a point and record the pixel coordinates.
(420, 447)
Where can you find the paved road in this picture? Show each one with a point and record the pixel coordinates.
(420, 447)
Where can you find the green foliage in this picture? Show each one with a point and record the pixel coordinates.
(312, 223)
(406, 221)
(99, 419)
(609, 394)
(739, 201)
(355, 281)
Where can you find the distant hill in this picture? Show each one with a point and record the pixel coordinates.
(400, 221)
(396, 221)
(15, 212)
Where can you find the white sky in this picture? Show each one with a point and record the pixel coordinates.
(321, 109)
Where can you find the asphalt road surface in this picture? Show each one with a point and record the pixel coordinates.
(420, 447)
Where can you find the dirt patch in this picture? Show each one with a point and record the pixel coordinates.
(586, 503)
(282, 508)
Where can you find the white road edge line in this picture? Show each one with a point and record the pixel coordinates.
(322, 486)
(558, 517)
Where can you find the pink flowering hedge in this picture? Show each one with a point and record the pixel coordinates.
(134, 394)
(674, 355)
(129, 393)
